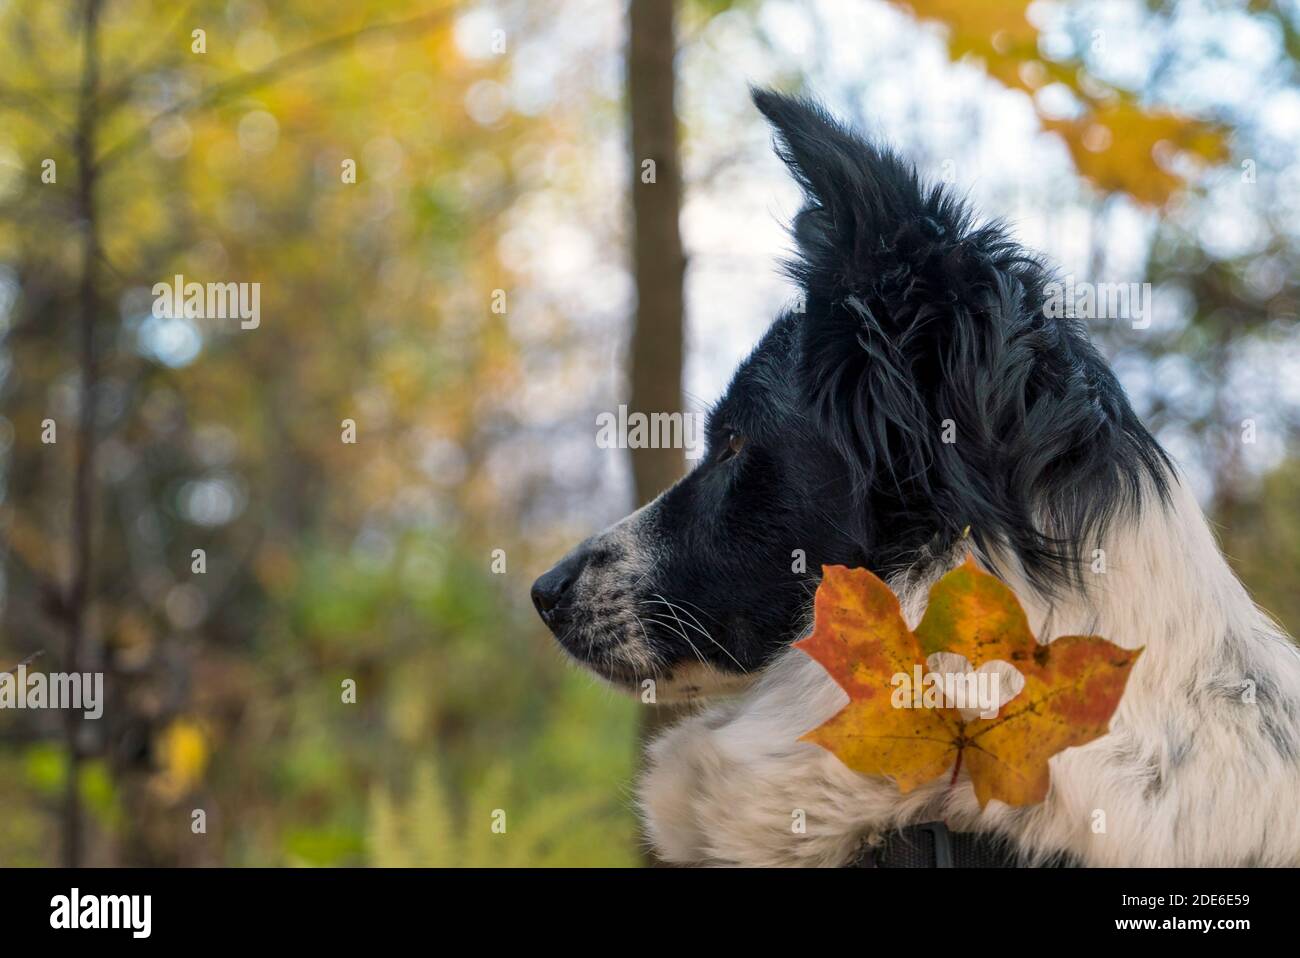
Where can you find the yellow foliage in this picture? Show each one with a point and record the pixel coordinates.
(182, 758)
(1115, 143)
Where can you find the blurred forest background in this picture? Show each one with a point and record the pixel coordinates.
(498, 273)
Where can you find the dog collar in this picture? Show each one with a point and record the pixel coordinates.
(934, 845)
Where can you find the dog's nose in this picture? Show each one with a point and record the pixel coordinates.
(550, 588)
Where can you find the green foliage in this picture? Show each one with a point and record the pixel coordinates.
(499, 825)
(457, 677)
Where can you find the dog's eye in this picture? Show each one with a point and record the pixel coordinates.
(735, 443)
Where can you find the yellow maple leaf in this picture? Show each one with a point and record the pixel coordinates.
(1072, 685)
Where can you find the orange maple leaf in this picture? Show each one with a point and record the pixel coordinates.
(1072, 685)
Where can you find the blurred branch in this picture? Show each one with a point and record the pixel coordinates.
(312, 55)
(27, 661)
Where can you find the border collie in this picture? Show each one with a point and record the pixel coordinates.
(921, 405)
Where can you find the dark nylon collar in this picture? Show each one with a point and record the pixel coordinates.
(933, 845)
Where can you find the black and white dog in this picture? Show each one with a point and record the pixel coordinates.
(922, 405)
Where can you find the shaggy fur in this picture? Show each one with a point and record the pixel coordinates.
(923, 404)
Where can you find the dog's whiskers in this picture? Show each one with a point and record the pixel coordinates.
(696, 625)
(712, 618)
(678, 630)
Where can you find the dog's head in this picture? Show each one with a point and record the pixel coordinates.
(919, 393)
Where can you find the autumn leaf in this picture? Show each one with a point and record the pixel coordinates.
(1072, 685)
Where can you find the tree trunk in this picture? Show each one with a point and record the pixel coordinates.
(83, 492)
(659, 264)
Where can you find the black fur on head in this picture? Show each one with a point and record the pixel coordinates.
(923, 327)
(921, 389)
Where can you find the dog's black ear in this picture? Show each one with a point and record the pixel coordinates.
(929, 363)
(867, 216)
(884, 264)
